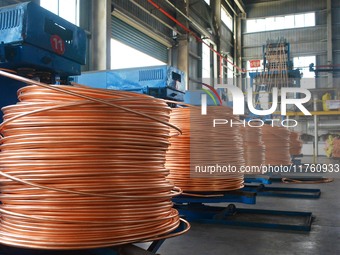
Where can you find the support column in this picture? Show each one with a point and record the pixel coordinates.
(216, 6)
(101, 35)
(329, 42)
(183, 57)
(316, 139)
(183, 42)
(85, 7)
(238, 49)
(316, 130)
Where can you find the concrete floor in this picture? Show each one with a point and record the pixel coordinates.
(324, 238)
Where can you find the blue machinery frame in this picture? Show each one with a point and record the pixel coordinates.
(33, 37)
(196, 209)
(233, 216)
(159, 81)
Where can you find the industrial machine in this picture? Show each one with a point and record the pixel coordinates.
(38, 44)
(323, 69)
(159, 81)
(41, 42)
(277, 72)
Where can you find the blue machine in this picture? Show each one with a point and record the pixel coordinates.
(32, 37)
(200, 209)
(159, 81)
(37, 44)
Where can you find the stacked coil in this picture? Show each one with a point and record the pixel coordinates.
(295, 143)
(276, 141)
(201, 146)
(336, 148)
(79, 174)
(254, 149)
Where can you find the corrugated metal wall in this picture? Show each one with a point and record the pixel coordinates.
(274, 8)
(227, 40)
(195, 59)
(135, 11)
(336, 34)
(201, 13)
(304, 41)
(134, 38)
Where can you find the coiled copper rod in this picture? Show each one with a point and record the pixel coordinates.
(254, 149)
(201, 145)
(336, 148)
(80, 173)
(276, 141)
(295, 143)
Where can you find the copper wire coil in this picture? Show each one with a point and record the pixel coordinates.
(336, 148)
(69, 164)
(295, 143)
(254, 149)
(276, 141)
(202, 145)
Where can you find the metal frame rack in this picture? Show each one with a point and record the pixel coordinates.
(277, 70)
(196, 209)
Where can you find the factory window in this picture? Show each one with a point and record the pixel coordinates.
(281, 22)
(206, 61)
(123, 56)
(308, 78)
(207, 1)
(67, 9)
(230, 67)
(227, 19)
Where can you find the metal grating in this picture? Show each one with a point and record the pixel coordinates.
(10, 19)
(152, 74)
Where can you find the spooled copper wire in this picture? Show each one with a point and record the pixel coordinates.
(254, 149)
(295, 143)
(276, 141)
(201, 146)
(336, 148)
(77, 173)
